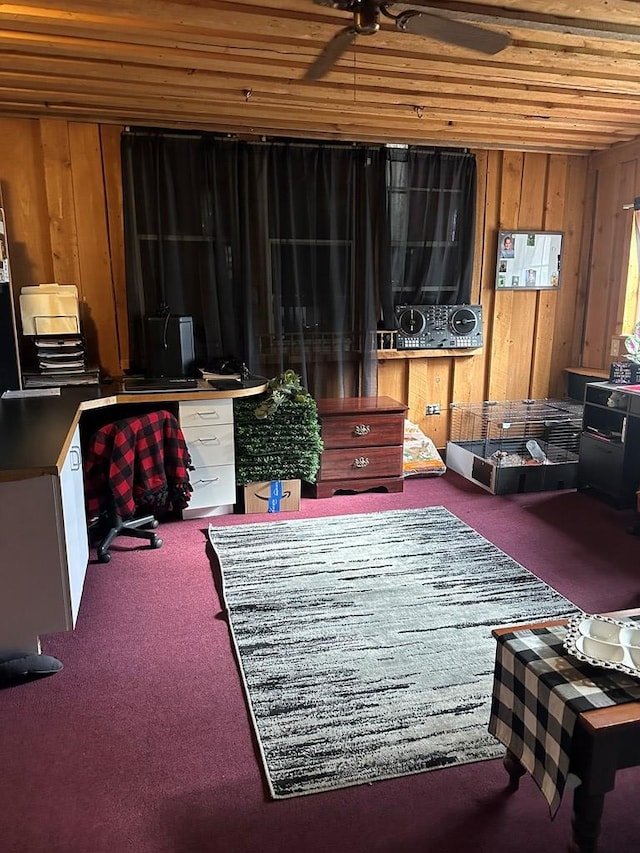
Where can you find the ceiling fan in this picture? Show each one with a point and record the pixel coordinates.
(366, 22)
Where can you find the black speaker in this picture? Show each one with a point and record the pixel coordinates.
(169, 346)
(10, 379)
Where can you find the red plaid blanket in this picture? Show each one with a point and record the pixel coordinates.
(140, 461)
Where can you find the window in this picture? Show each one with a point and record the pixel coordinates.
(631, 311)
(431, 202)
(300, 271)
(423, 222)
(290, 254)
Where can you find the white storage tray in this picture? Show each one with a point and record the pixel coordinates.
(604, 641)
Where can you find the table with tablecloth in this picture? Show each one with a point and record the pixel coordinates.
(539, 690)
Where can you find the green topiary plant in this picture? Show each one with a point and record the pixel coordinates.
(277, 437)
(287, 386)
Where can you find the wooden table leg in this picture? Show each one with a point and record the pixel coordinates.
(514, 769)
(585, 821)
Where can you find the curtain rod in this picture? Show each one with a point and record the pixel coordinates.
(262, 141)
(229, 137)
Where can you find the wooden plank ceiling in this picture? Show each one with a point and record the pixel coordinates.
(568, 81)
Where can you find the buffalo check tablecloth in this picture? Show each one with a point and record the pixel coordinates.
(539, 689)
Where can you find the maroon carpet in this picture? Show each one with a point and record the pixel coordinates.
(142, 743)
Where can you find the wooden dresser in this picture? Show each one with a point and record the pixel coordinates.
(363, 445)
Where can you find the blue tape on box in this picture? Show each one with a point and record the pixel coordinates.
(275, 496)
(272, 496)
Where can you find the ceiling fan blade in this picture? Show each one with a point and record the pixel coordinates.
(331, 54)
(453, 32)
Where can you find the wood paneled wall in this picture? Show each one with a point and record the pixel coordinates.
(63, 198)
(613, 181)
(62, 194)
(529, 336)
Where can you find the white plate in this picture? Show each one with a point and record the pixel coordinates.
(604, 641)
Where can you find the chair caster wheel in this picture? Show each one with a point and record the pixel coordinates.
(154, 524)
(104, 557)
(156, 542)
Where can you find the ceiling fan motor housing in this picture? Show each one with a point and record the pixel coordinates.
(366, 23)
(343, 5)
(366, 13)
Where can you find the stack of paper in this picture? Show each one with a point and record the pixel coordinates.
(60, 360)
(57, 379)
(56, 353)
(210, 374)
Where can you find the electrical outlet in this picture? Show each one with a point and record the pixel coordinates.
(432, 409)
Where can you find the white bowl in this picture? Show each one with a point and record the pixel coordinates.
(634, 654)
(609, 652)
(597, 629)
(630, 637)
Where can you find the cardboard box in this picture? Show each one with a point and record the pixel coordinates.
(272, 496)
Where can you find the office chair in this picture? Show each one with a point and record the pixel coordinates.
(141, 527)
(134, 467)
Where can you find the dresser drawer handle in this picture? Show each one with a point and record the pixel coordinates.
(361, 429)
(360, 462)
(206, 482)
(206, 414)
(214, 440)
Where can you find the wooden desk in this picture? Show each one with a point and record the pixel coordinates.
(605, 740)
(36, 432)
(43, 529)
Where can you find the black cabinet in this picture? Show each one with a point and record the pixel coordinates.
(10, 376)
(9, 358)
(609, 460)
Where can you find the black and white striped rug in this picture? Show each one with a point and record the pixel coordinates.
(365, 641)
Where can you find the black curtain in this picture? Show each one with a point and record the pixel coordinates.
(187, 242)
(431, 208)
(288, 254)
(326, 210)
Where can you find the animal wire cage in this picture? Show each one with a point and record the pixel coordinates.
(516, 446)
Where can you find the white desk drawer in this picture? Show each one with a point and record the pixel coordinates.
(213, 485)
(197, 413)
(210, 445)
